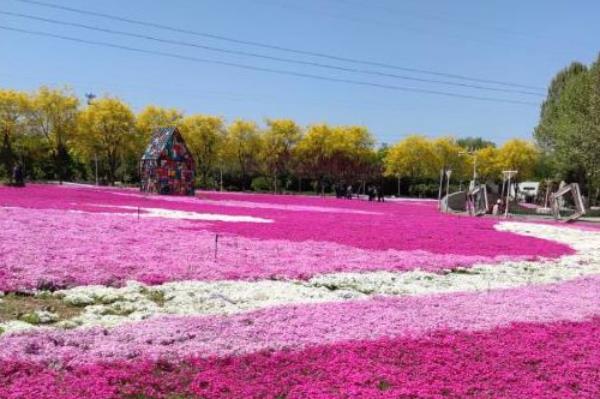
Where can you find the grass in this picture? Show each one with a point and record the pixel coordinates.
(155, 296)
(22, 307)
(383, 385)
(117, 310)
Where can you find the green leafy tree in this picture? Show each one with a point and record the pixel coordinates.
(474, 143)
(569, 127)
(550, 116)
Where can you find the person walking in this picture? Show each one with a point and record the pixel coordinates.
(379, 192)
(17, 175)
(371, 193)
(496, 209)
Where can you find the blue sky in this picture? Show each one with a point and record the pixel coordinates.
(524, 42)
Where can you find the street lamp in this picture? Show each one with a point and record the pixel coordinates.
(507, 175)
(473, 153)
(90, 97)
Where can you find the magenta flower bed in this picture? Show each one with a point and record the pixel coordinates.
(43, 243)
(54, 248)
(556, 360)
(404, 226)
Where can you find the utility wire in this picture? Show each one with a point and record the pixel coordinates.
(275, 47)
(433, 17)
(262, 56)
(263, 69)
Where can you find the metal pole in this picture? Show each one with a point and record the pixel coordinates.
(507, 197)
(221, 179)
(442, 172)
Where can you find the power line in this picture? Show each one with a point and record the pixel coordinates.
(365, 19)
(276, 47)
(262, 56)
(434, 17)
(263, 69)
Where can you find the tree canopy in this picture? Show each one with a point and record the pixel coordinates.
(204, 135)
(56, 136)
(106, 130)
(569, 126)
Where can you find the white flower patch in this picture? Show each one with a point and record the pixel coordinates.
(211, 217)
(253, 204)
(16, 326)
(176, 214)
(481, 277)
(108, 306)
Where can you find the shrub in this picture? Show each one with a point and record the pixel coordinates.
(260, 184)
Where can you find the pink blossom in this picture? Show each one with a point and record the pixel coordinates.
(527, 360)
(46, 241)
(56, 248)
(401, 226)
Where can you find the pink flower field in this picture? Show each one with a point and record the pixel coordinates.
(65, 236)
(230, 295)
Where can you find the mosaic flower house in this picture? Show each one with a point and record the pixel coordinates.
(167, 166)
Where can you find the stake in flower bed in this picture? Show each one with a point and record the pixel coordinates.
(216, 245)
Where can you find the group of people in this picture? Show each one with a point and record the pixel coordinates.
(343, 192)
(373, 192)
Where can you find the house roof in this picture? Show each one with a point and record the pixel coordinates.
(160, 139)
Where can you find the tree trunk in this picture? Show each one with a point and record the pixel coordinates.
(7, 155)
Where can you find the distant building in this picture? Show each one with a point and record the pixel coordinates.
(528, 191)
(167, 166)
